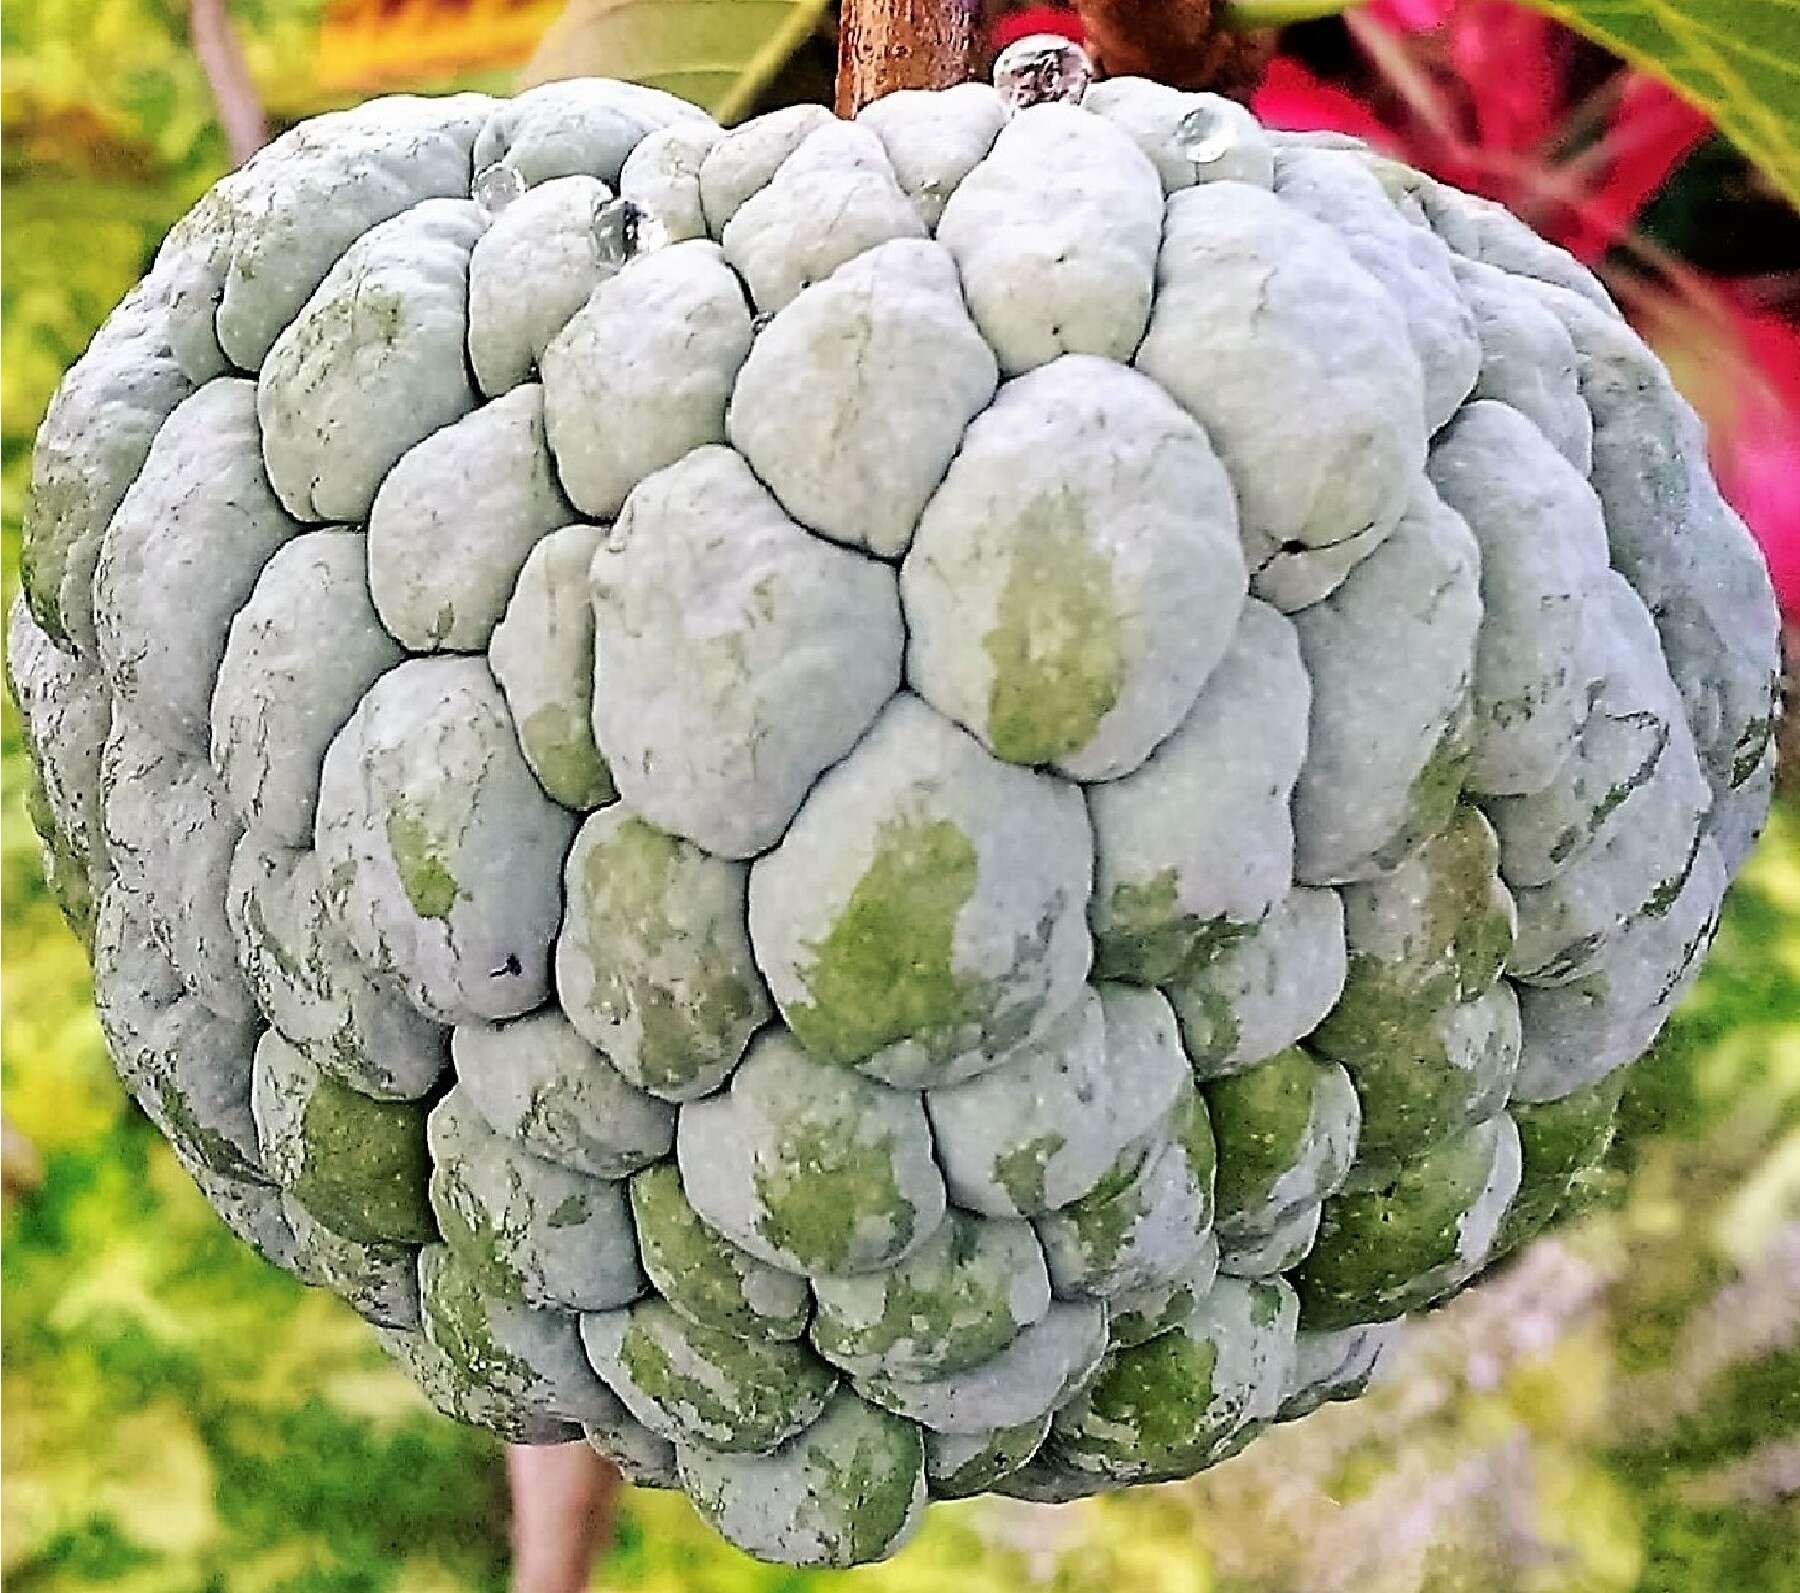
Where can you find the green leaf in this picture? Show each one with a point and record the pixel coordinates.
(1738, 60)
(719, 54)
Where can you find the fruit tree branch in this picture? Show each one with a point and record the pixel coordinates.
(1192, 44)
(885, 45)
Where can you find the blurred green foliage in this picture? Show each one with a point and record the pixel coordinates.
(1619, 1410)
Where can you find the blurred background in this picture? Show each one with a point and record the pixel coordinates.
(1619, 1409)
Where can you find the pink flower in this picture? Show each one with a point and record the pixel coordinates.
(1411, 16)
(1650, 132)
(1757, 450)
(1509, 58)
(1758, 473)
(1290, 96)
(1022, 24)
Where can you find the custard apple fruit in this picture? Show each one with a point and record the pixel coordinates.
(880, 809)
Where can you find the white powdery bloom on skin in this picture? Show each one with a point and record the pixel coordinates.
(896, 809)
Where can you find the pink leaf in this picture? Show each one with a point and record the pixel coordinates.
(1411, 16)
(1037, 19)
(1738, 362)
(1651, 131)
(1290, 96)
(1507, 58)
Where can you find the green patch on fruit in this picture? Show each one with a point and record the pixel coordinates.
(1260, 1119)
(737, 1394)
(1005, 1450)
(1558, 1141)
(365, 1165)
(212, 1148)
(886, 970)
(826, 1186)
(1265, 1304)
(1057, 646)
(629, 879)
(942, 1302)
(1103, 1227)
(1392, 1025)
(1384, 1251)
(459, 1316)
(1146, 938)
(872, 1481)
(1022, 1171)
(558, 742)
(570, 1212)
(677, 1038)
(477, 1245)
(701, 1274)
(1608, 804)
(430, 887)
(1668, 891)
(1414, 1078)
(1432, 797)
(1753, 742)
(1467, 925)
(1193, 1126)
(647, 1364)
(1210, 1027)
(1390, 1037)
(1150, 1405)
(628, 876)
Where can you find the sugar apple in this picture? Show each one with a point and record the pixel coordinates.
(880, 809)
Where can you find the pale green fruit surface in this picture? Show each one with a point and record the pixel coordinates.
(880, 810)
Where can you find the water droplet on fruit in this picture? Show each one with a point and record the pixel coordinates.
(617, 536)
(1042, 67)
(760, 323)
(623, 231)
(651, 233)
(497, 186)
(1204, 136)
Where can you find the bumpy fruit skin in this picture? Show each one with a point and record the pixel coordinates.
(954, 832)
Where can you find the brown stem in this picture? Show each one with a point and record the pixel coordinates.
(228, 75)
(1177, 41)
(885, 45)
